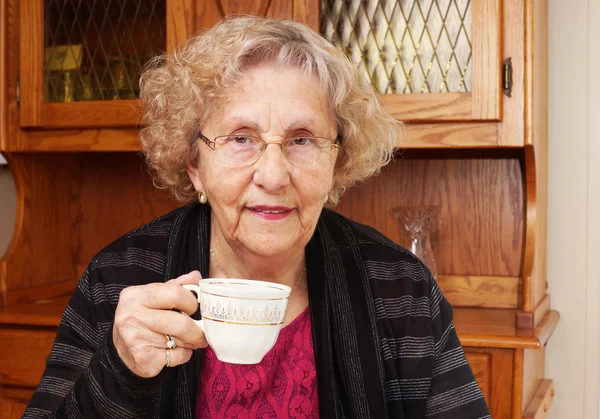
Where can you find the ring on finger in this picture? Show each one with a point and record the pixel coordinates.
(168, 358)
(170, 342)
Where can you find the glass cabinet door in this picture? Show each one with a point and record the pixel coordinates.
(432, 60)
(81, 60)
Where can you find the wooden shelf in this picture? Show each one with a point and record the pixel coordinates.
(105, 137)
(476, 327)
(496, 328)
(40, 313)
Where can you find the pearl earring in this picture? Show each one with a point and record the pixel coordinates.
(326, 198)
(202, 198)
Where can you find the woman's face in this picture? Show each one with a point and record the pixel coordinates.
(274, 104)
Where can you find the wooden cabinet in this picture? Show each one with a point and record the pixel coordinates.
(468, 77)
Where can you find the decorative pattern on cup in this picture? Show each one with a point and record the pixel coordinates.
(243, 311)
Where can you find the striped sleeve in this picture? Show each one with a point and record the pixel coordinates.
(84, 376)
(453, 392)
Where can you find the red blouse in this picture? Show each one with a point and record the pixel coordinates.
(283, 385)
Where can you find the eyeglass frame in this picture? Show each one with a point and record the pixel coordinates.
(335, 144)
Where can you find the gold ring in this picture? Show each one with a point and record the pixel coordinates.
(168, 358)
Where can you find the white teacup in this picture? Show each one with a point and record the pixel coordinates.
(241, 318)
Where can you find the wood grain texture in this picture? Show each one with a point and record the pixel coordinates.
(481, 365)
(500, 397)
(480, 201)
(3, 74)
(25, 365)
(181, 21)
(104, 139)
(495, 328)
(486, 63)
(511, 130)
(22, 393)
(11, 19)
(450, 135)
(97, 114)
(536, 60)
(31, 36)
(517, 388)
(38, 294)
(429, 107)
(531, 220)
(208, 13)
(538, 409)
(12, 408)
(40, 252)
(251, 7)
(480, 291)
(281, 9)
(534, 361)
(39, 313)
(117, 195)
(308, 12)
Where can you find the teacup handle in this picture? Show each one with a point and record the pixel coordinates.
(196, 289)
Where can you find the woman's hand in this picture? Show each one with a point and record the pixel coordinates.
(144, 316)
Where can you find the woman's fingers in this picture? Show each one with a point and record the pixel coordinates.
(178, 356)
(145, 315)
(160, 296)
(190, 278)
(181, 326)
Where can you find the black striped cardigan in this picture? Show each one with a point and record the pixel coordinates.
(385, 345)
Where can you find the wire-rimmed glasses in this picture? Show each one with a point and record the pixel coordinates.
(245, 150)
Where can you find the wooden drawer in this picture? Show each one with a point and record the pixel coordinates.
(481, 364)
(493, 370)
(24, 353)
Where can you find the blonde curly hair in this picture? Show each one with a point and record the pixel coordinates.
(180, 90)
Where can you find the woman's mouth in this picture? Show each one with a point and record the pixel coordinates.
(270, 213)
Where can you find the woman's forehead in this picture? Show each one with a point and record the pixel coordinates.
(268, 97)
(262, 116)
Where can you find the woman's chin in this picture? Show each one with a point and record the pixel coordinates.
(269, 245)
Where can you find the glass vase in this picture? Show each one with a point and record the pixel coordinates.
(417, 224)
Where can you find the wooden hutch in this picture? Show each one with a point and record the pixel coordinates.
(468, 76)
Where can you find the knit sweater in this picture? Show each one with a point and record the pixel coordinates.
(424, 372)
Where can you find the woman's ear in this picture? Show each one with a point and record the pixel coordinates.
(193, 171)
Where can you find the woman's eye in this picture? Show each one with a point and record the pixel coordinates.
(301, 141)
(238, 139)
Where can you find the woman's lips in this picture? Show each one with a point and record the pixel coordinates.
(270, 213)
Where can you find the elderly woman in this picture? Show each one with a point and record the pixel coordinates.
(263, 123)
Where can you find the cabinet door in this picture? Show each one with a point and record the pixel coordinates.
(432, 60)
(186, 17)
(80, 60)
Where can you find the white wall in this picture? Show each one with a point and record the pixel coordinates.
(574, 206)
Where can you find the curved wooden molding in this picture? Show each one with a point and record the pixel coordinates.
(46, 218)
(530, 227)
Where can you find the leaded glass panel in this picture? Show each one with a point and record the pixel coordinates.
(94, 49)
(404, 46)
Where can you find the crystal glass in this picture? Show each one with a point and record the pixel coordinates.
(417, 225)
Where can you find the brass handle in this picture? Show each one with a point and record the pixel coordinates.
(508, 77)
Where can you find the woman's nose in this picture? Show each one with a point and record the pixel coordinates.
(272, 169)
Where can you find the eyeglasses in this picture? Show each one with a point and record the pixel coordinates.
(244, 150)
